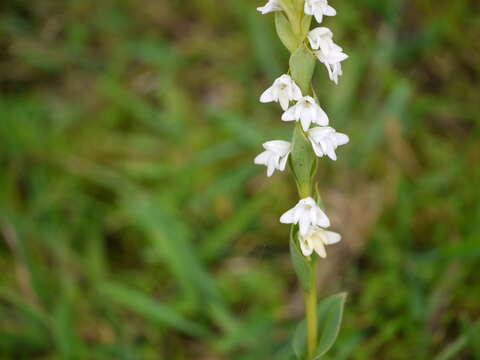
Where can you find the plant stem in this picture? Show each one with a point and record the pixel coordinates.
(311, 312)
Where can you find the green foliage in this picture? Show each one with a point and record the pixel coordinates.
(302, 162)
(299, 261)
(329, 313)
(302, 64)
(284, 31)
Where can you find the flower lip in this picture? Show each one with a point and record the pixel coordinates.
(316, 239)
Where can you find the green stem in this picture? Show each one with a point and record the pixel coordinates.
(311, 312)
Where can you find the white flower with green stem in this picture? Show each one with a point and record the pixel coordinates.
(308, 220)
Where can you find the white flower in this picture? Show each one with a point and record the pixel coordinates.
(325, 140)
(283, 90)
(321, 38)
(318, 8)
(307, 111)
(332, 61)
(275, 155)
(306, 214)
(270, 6)
(316, 239)
(329, 53)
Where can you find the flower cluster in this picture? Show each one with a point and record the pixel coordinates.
(309, 217)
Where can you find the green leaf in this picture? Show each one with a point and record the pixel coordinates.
(302, 161)
(284, 31)
(300, 262)
(302, 65)
(293, 14)
(305, 24)
(66, 338)
(300, 340)
(329, 312)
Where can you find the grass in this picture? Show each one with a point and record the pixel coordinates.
(135, 226)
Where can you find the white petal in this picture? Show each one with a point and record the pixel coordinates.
(322, 219)
(336, 47)
(341, 139)
(271, 5)
(329, 150)
(305, 246)
(270, 169)
(305, 121)
(288, 217)
(329, 11)
(317, 149)
(289, 115)
(284, 100)
(318, 16)
(268, 95)
(262, 158)
(319, 247)
(321, 117)
(331, 237)
(320, 132)
(321, 31)
(304, 225)
(280, 147)
(307, 8)
(337, 57)
(283, 162)
(296, 92)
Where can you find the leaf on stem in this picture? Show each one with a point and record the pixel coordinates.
(300, 262)
(284, 31)
(302, 65)
(302, 162)
(329, 312)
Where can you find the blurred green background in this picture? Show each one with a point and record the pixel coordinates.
(134, 225)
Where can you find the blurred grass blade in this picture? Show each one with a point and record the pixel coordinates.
(452, 350)
(65, 334)
(217, 241)
(32, 312)
(150, 309)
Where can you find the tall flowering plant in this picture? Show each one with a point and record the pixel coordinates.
(312, 138)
